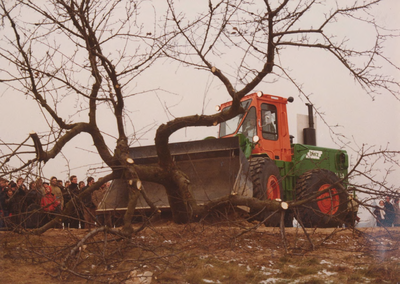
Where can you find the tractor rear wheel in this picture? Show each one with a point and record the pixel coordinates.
(326, 210)
(267, 184)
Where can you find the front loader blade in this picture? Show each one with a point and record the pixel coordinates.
(215, 167)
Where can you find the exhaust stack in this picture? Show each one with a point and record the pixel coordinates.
(309, 135)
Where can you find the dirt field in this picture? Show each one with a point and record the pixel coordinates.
(237, 252)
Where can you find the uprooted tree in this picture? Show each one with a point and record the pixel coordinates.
(96, 52)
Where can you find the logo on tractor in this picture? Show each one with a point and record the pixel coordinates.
(314, 154)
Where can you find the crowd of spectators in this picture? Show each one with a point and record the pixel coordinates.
(34, 205)
(41, 201)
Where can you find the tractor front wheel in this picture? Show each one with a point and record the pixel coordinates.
(267, 184)
(327, 209)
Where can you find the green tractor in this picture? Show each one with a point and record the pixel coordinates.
(254, 156)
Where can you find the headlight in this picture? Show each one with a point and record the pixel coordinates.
(256, 138)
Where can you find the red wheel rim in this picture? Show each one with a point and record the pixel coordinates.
(328, 202)
(273, 190)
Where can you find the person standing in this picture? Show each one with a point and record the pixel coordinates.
(72, 195)
(49, 203)
(21, 185)
(3, 184)
(18, 202)
(56, 190)
(32, 203)
(97, 196)
(389, 210)
(67, 184)
(73, 187)
(89, 209)
(81, 185)
(60, 184)
(39, 186)
(33, 196)
(6, 202)
(380, 214)
(70, 189)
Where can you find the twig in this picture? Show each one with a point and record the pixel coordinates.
(305, 232)
(282, 225)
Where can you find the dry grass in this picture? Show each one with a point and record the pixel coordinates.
(201, 253)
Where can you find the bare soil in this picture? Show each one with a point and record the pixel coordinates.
(219, 252)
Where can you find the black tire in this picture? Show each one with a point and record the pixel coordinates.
(330, 210)
(264, 172)
(267, 184)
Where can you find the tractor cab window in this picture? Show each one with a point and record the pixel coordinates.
(269, 122)
(249, 125)
(231, 125)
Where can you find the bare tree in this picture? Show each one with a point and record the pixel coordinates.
(64, 51)
(46, 70)
(258, 35)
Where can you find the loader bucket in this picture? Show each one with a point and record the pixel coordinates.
(215, 167)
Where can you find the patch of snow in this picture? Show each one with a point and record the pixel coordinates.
(230, 260)
(268, 271)
(327, 273)
(325, 262)
(210, 281)
(270, 280)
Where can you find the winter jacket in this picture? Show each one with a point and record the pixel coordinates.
(58, 194)
(49, 202)
(389, 210)
(87, 200)
(380, 215)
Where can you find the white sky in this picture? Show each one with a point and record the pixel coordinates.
(359, 118)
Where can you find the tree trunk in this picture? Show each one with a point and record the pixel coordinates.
(180, 197)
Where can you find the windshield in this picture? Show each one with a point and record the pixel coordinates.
(268, 122)
(248, 127)
(230, 126)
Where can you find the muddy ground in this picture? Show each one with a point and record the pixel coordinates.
(218, 252)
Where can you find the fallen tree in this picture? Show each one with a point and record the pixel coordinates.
(45, 71)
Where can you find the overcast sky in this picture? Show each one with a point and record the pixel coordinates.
(359, 119)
